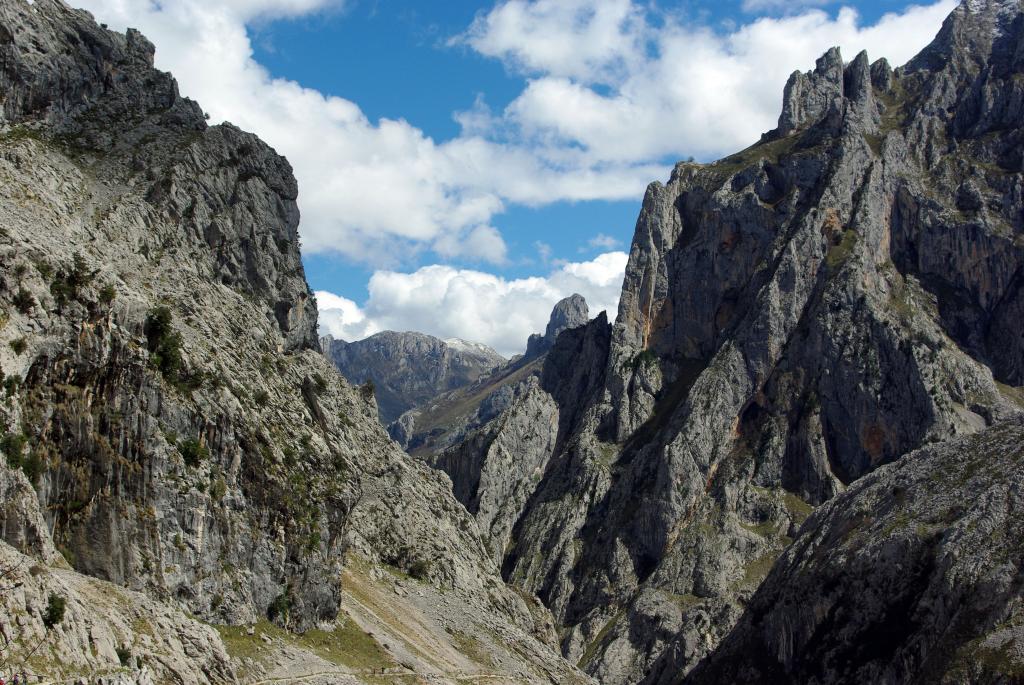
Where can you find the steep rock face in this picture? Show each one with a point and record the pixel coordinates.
(409, 369)
(170, 425)
(495, 471)
(75, 81)
(792, 318)
(99, 619)
(913, 574)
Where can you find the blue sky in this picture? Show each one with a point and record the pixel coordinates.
(391, 57)
(464, 165)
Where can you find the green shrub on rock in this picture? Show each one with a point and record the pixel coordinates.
(193, 452)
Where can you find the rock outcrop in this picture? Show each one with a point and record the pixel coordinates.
(170, 426)
(572, 312)
(911, 575)
(793, 317)
(408, 370)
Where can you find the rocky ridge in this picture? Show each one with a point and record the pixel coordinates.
(171, 427)
(572, 312)
(793, 317)
(408, 370)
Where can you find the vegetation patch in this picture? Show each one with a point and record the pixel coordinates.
(1015, 394)
(68, 284)
(644, 358)
(685, 602)
(348, 645)
(13, 446)
(841, 252)
(766, 529)
(757, 570)
(54, 612)
(280, 609)
(595, 645)
(163, 342)
(107, 294)
(772, 151)
(193, 452)
(473, 647)
(798, 509)
(24, 301)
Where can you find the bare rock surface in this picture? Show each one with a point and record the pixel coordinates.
(793, 318)
(170, 426)
(450, 418)
(913, 574)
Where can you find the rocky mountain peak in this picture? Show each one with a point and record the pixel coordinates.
(172, 440)
(571, 312)
(832, 94)
(793, 317)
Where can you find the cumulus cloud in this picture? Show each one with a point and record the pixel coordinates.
(343, 318)
(473, 305)
(614, 91)
(665, 87)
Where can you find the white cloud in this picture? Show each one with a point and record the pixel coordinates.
(472, 305)
(615, 91)
(588, 39)
(342, 318)
(375, 192)
(665, 87)
(484, 242)
(604, 242)
(544, 251)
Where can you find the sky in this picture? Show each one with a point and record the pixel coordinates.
(463, 165)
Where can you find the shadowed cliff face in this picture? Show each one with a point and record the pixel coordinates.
(793, 317)
(911, 575)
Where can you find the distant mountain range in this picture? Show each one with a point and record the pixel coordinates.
(408, 369)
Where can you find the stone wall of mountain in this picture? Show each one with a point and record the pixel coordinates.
(409, 369)
(793, 317)
(171, 430)
(911, 575)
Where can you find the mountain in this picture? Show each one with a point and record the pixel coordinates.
(191, 493)
(409, 369)
(446, 419)
(793, 318)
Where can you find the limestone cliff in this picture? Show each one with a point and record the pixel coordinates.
(449, 418)
(170, 426)
(912, 575)
(793, 317)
